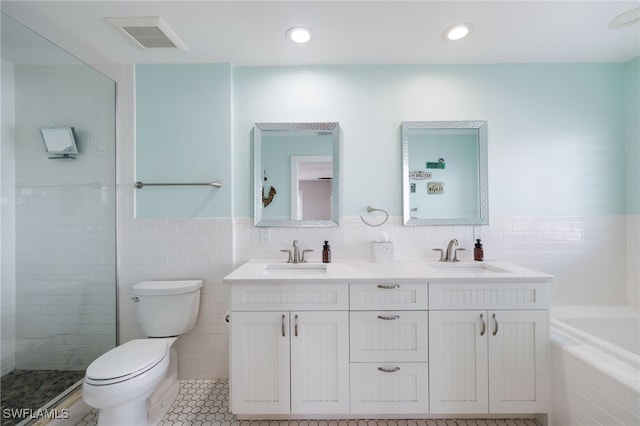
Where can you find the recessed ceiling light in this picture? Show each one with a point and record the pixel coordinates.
(299, 34)
(625, 19)
(457, 32)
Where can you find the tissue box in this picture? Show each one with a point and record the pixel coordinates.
(381, 252)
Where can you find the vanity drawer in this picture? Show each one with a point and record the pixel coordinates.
(388, 295)
(489, 296)
(389, 336)
(298, 297)
(381, 388)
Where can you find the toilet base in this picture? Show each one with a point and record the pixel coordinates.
(157, 412)
(134, 411)
(164, 396)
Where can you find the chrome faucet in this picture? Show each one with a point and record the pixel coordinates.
(450, 247)
(296, 257)
(296, 252)
(451, 254)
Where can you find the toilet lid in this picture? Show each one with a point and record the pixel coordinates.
(129, 359)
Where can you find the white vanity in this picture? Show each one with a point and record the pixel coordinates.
(363, 340)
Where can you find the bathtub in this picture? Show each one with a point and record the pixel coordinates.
(595, 364)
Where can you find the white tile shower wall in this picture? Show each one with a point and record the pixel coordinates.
(7, 221)
(65, 220)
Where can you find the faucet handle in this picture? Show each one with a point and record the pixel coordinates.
(295, 243)
(455, 254)
(303, 260)
(441, 254)
(290, 257)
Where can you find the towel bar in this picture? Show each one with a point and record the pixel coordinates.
(217, 184)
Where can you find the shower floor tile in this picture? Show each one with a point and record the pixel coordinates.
(32, 389)
(205, 403)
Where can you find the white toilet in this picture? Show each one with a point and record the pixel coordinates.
(136, 383)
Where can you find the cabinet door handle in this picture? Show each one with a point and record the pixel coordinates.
(495, 325)
(391, 318)
(484, 325)
(389, 370)
(388, 286)
(283, 334)
(295, 325)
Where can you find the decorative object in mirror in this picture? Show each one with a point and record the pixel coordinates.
(302, 161)
(444, 173)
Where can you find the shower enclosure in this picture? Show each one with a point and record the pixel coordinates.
(57, 222)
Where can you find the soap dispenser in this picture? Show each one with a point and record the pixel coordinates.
(478, 251)
(326, 253)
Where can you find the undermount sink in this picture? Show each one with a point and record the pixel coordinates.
(467, 268)
(293, 268)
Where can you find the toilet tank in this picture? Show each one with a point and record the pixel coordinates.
(167, 308)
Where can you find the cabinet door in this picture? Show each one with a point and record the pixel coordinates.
(458, 362)
(319, 362)
(259, 362)
(518, 371)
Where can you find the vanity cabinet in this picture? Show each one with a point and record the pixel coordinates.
(488, 360)
(360, 343)
(389, 348)
(289, 361)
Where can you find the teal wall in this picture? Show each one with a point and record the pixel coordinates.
(183, 134)
(559, 139)
(556, 131)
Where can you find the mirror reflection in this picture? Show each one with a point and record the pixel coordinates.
(296, 174)
(444, 172)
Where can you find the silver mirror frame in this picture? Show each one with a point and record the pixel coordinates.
(258, 130)
(483, 187)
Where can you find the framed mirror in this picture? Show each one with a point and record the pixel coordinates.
(296, 174)
(444, 173)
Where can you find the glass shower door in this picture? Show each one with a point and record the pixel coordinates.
(58, 222)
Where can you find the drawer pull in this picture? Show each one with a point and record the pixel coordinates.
(389, 370)
(388, 286)
(391, 318)
(495, 324)
(283, 335)
(484, 325)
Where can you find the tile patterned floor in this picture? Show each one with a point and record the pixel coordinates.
(32, 389)
(205, 403)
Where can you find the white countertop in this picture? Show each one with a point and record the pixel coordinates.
(354, 271)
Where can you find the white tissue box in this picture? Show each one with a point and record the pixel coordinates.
(381, 252)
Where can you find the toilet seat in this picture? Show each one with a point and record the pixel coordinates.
(127, 361)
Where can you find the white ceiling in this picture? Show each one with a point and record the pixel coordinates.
(248, 33)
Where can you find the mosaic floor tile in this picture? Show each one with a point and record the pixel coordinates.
(32, 389)
(205, 403)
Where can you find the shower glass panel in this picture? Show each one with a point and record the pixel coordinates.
(58, 223)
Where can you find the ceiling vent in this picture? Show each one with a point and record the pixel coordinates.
(149, 32)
